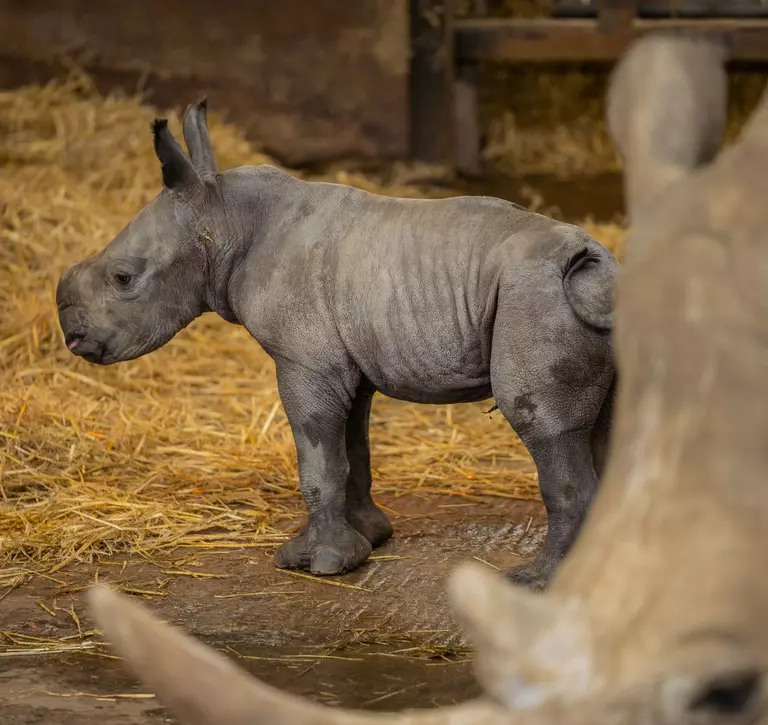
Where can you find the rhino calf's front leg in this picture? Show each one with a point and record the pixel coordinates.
(318, 408)
(362, 513)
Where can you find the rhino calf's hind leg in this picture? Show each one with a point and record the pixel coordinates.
(567, 481)
(550, 384)
(318, 409)
(364, 515)
(601, 433)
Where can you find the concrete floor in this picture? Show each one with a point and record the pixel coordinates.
(392, 638)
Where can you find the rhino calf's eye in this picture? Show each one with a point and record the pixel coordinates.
(123, 279)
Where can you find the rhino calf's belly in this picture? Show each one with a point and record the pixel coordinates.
(433, 379)
(465, 391)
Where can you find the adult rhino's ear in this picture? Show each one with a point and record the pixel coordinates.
(178, 172)
(666, 111)
(530, 649)
(198, 140)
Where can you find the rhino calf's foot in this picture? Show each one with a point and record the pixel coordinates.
(325, 552)
(535, 576)
(369, 520)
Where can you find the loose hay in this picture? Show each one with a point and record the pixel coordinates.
(545, 120)
(189, 446)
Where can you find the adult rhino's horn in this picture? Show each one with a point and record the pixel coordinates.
(202, 687)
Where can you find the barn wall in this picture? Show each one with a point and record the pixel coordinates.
(311, 80)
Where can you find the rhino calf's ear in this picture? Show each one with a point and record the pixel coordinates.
(198, 140)
(178, 172)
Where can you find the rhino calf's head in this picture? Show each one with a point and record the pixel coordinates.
(151, 280)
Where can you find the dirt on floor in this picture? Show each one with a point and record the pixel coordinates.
(380, 638)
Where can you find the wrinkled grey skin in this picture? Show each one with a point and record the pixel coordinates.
(430, 301)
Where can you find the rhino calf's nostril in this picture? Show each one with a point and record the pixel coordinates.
(73, 339)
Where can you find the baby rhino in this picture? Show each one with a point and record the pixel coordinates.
(428, 301)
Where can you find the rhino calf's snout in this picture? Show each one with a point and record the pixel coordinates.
(63, 289)
(78, 338)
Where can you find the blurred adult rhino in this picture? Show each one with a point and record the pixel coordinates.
(429, 301)
(659, 613)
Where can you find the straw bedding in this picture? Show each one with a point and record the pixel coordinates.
(170, 450)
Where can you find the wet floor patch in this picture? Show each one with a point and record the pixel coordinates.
(93, 688)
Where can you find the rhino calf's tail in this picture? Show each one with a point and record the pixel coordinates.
(588, 281)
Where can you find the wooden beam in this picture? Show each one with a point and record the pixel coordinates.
(573, 40)
(432, 81)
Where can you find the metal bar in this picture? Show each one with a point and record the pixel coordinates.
(561, 40)
(432, 81)
(669, 8)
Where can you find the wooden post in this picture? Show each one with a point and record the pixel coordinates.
(467, 122)
(615, 17)
(432, 82)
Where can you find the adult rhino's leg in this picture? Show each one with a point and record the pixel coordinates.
(550, 374)
(361, 511)
(317, 408)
